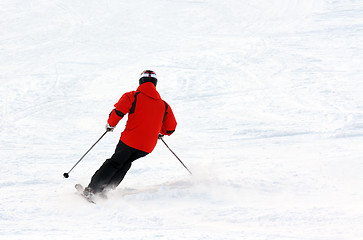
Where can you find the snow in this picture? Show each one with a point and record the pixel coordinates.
(268, 99)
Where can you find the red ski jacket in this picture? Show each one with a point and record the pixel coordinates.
(148, 116)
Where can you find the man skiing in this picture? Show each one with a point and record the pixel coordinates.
(149, 118)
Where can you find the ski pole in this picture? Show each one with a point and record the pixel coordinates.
(176, 156)
(66, 175)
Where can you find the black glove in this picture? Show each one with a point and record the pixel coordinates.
(160, 136)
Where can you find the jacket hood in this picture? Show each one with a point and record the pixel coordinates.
(149, 89)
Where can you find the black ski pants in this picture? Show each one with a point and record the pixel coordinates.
(114, 169)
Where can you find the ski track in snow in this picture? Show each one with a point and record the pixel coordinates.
(268, 99)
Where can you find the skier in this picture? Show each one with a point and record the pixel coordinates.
(149, 118)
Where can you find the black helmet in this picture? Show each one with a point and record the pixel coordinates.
(148, 76)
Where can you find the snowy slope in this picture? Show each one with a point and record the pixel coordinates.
(268, 98)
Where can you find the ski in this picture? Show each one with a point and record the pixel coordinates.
(80, 189)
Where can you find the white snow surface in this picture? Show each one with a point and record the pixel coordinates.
(268, 96)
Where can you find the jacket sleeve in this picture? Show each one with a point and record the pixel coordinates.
(122, 107)
(169, 123)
